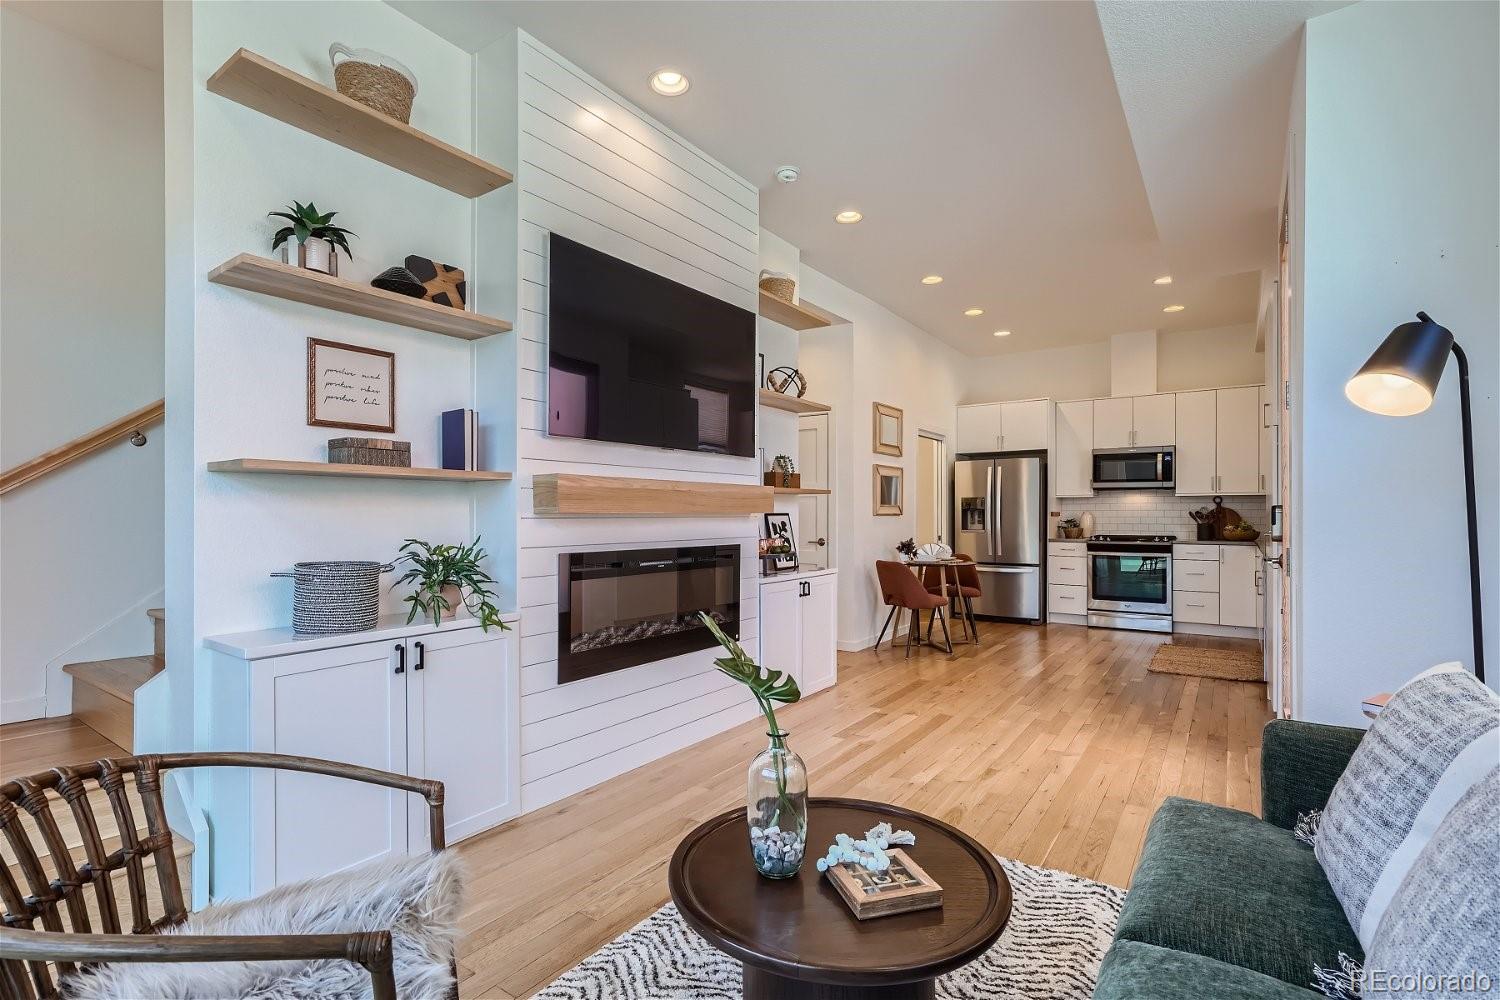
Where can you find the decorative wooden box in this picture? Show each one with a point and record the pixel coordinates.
(792, 480)
(369, 451)
(901, 888)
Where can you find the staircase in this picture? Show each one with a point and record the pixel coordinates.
(104, 690)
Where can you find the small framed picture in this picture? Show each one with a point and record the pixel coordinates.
(888, 490)
(888, 430)
(349, 386)
(783, 546)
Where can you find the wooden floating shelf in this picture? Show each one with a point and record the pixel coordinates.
(562, 495)
(257, 82)
(797, 315)
(791, 404)
(800, 491)
(278, 467)
(272, 277)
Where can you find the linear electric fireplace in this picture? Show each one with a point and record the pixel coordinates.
(619, 609)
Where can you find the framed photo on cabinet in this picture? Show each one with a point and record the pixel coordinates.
(888, 430)
(350, 386)
(889, 483)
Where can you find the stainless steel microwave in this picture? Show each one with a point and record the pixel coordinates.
(1134, 469)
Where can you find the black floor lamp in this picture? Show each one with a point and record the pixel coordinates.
(1400, 380)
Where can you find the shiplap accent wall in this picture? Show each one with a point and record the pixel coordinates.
(593, 168)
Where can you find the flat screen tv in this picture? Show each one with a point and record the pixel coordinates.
(639, 359)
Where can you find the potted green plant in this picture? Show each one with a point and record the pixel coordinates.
(317, 240)
(448, 577)
(1070, 528)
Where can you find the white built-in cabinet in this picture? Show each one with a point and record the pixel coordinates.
(1073, 462)
(1216, 584)
(1220, 442)
(799, 627)
(437, 703)
(1267, 439)
(1014, 426)
(1135, 421)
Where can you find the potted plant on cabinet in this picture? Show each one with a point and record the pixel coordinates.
(317, 240)
(447, 577)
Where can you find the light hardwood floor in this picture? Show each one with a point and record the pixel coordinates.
(1050, 745)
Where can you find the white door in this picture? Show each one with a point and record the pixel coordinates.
(1155, 420)
(932, 481)
(1237, 440)
(1114, 422)
(814, 527)
(1239, 597)
(818, 626)
(780, 638)
(1023, 425)
(346, 704)
(462, 713)
(1197, 443)
(1074, 449)
(978, 428)
(1267, 439)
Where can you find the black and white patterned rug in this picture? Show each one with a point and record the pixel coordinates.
(1060, 927)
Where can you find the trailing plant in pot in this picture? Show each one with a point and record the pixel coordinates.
(776, 800)
(312, 240)
(448, 577)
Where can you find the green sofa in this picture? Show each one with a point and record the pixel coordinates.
(1229, 906)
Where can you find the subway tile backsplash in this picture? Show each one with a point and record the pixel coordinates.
(1155, 512)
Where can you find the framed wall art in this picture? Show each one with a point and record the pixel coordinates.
(350, 386)
(889, 484)
(783, 548)
(888, 430)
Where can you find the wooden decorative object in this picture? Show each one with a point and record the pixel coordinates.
(370, 451)
(84, 890)
(783, 480)
(345, 383)
(889, 487)
(269, 277)
(444, 283)
(567, 495)
(900, 889)
(257, 82)
(889, 430)
(287, 468)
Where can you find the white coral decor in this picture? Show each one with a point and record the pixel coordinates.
(870, 853)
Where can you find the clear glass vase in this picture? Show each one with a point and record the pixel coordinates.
(776, 809)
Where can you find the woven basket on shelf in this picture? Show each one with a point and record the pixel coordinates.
(338, 596)
(374, 80)
(780, 286)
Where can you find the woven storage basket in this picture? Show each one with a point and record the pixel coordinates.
(374, 80)
(340, 596)
(780, 286)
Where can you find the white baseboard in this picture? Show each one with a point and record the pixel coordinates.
(23, 709)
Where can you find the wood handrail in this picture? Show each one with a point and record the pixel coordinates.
(75, 449)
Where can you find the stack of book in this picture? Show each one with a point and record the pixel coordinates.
(460, 440)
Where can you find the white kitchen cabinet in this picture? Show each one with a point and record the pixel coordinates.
(1239, 586)
(1114, 422)
(799, 628)
(1073, 458)
(1023, 425)
(1195, 608)
(1237, 440)
(1200, 575)
(1069, 570)
(1197, 443)
(1267, 439)
(1155, 420)
(978, 428)
(1063, 599)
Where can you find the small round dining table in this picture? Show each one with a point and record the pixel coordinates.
(944, 565)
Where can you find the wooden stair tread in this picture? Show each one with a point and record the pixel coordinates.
(119, 677)
(160, 614)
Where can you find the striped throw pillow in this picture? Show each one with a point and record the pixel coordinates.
(1436, 738)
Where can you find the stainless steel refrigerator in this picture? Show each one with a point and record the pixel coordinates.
(999, 518)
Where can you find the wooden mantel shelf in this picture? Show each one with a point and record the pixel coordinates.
(288, 468)
(257, 82)
(791, 404)
(801, 491)
(272, 277)
(564, 495)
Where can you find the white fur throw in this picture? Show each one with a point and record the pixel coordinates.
(417, 899)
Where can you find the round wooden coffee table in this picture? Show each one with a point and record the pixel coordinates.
(798, 939)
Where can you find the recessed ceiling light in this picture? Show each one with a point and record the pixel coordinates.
(848, 217)
(933, 279)
(1002, 333)
(973, 312)
(669, 83)
(1165, 279)
(1174, 309)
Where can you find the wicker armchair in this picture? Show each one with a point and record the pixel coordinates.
(33, 961)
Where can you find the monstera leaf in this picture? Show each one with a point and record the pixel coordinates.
(767, 685)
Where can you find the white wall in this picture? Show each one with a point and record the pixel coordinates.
(1401, 214)
(80, 345)
(1198, 359)
(593, 168)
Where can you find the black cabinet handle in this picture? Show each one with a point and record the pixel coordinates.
(400, 658)
(421, 656)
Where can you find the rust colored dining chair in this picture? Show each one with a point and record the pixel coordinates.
(68, 919)
(968, 588)
(902, 591)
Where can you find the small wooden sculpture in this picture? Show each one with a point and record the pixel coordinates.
(444, 283)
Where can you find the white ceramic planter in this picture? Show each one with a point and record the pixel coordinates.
(315, 255)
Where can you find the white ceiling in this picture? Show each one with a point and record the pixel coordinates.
(986, 142)
(126, 29)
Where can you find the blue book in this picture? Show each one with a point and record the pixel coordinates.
(460, 439)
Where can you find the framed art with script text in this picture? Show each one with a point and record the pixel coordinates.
(351, 387)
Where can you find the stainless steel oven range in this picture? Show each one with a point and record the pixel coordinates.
(1130, 582)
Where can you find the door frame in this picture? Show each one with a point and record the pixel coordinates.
(1283, 391)
(944, 488)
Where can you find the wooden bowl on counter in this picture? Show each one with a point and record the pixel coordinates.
(1235, 535)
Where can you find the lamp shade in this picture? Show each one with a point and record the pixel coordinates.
(1402, 375)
